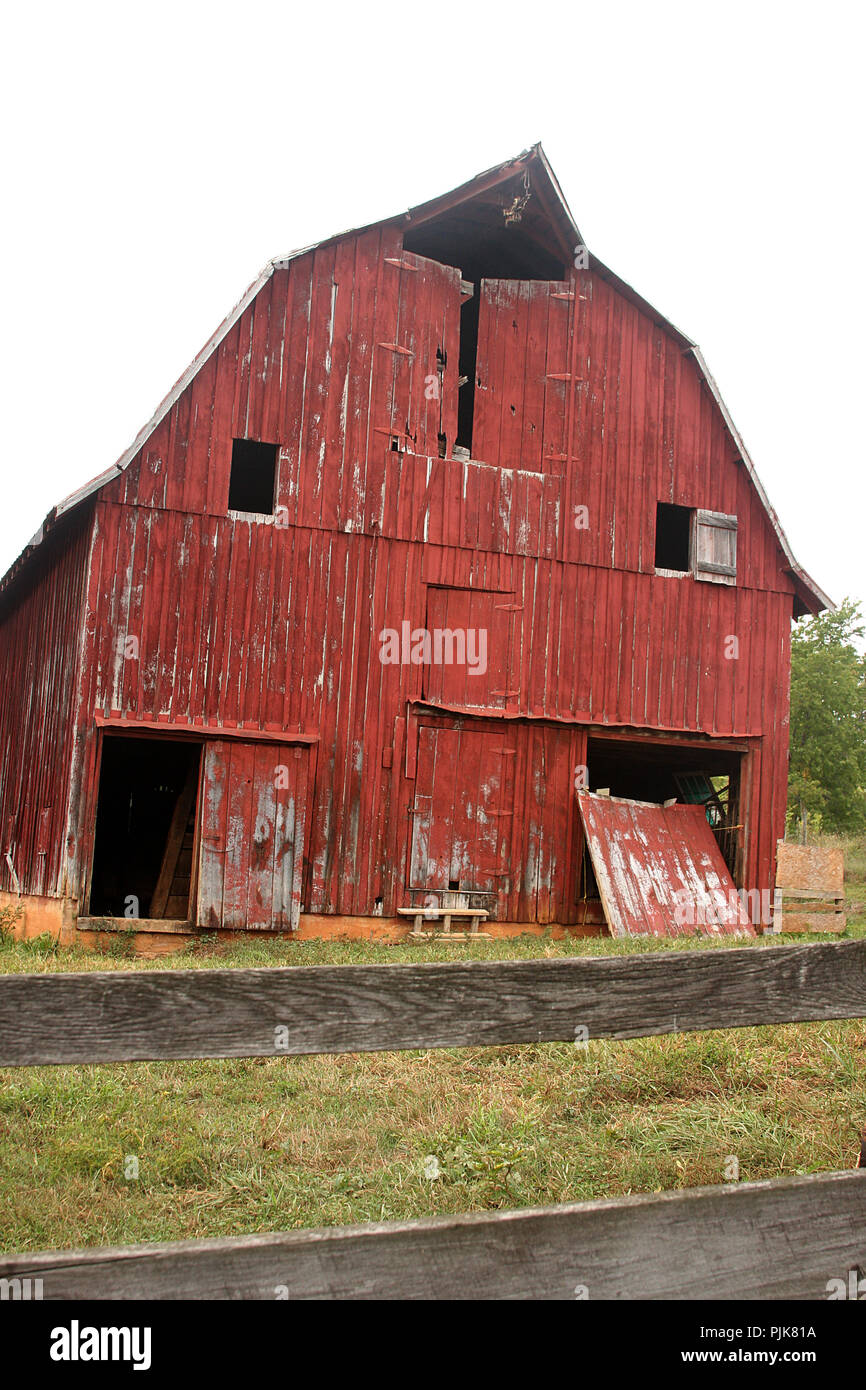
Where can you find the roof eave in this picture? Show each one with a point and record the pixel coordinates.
(812, 596)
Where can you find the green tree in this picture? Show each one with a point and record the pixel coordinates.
(827, 772)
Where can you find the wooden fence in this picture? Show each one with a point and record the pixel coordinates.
(780, 1239)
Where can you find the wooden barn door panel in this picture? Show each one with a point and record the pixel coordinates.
(490, 681)
(523, 374)
(415, 367)
(463, 799)
(254, 804)
(433, 813)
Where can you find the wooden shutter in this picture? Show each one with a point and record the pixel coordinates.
(714, 547)
(415, 367)
(523, 376)
(252, 834)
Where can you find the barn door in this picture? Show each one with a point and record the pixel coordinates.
(486, 621)
(523, 374)
(415, 367)
(461, 816)
(254, 808)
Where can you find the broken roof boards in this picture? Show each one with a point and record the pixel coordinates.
(659, 870)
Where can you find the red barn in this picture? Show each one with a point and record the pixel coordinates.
(444, 524)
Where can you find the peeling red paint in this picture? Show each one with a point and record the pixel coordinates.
(250, 630)
(659, 870)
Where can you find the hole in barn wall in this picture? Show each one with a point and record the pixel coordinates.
(466, 369)
(654, 771)
(252, 485)
(673, 529)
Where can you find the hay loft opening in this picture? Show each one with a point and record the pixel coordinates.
(253, 480)
(145, 828)
(502, 233)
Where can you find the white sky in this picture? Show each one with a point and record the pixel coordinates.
(155, 157)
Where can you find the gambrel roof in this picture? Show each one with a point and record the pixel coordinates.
(548, 225)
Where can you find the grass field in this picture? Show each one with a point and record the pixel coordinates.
(231, 1147)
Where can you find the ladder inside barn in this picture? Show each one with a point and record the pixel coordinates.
(171, 895)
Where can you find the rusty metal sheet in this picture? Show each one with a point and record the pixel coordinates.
(659, 870)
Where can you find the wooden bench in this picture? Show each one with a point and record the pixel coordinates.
(472, 915)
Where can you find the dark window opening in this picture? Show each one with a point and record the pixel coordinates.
(145, 828)
(253, 477)
(468, 359)
(673, 531)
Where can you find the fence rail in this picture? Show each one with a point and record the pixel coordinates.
(784, 1239)
(118, 1016)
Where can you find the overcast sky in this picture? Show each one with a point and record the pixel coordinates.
(157, 156)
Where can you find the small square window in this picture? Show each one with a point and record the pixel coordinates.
(673, 530)
(253, 477)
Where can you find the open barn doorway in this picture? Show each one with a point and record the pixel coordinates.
(145, 828)
(649, 770)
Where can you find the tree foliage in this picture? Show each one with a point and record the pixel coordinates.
(827, 772)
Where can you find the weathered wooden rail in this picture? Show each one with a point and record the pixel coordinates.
(782, 1239)
(116, 1016)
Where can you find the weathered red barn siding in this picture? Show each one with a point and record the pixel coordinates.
(273, 626)
(40, 653)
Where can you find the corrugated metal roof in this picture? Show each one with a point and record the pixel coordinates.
(659, 870)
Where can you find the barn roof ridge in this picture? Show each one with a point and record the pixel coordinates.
(532, 158)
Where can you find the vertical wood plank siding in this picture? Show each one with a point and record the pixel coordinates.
(274, 625)
(40, 652)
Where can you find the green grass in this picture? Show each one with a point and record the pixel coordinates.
(228, 1147)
